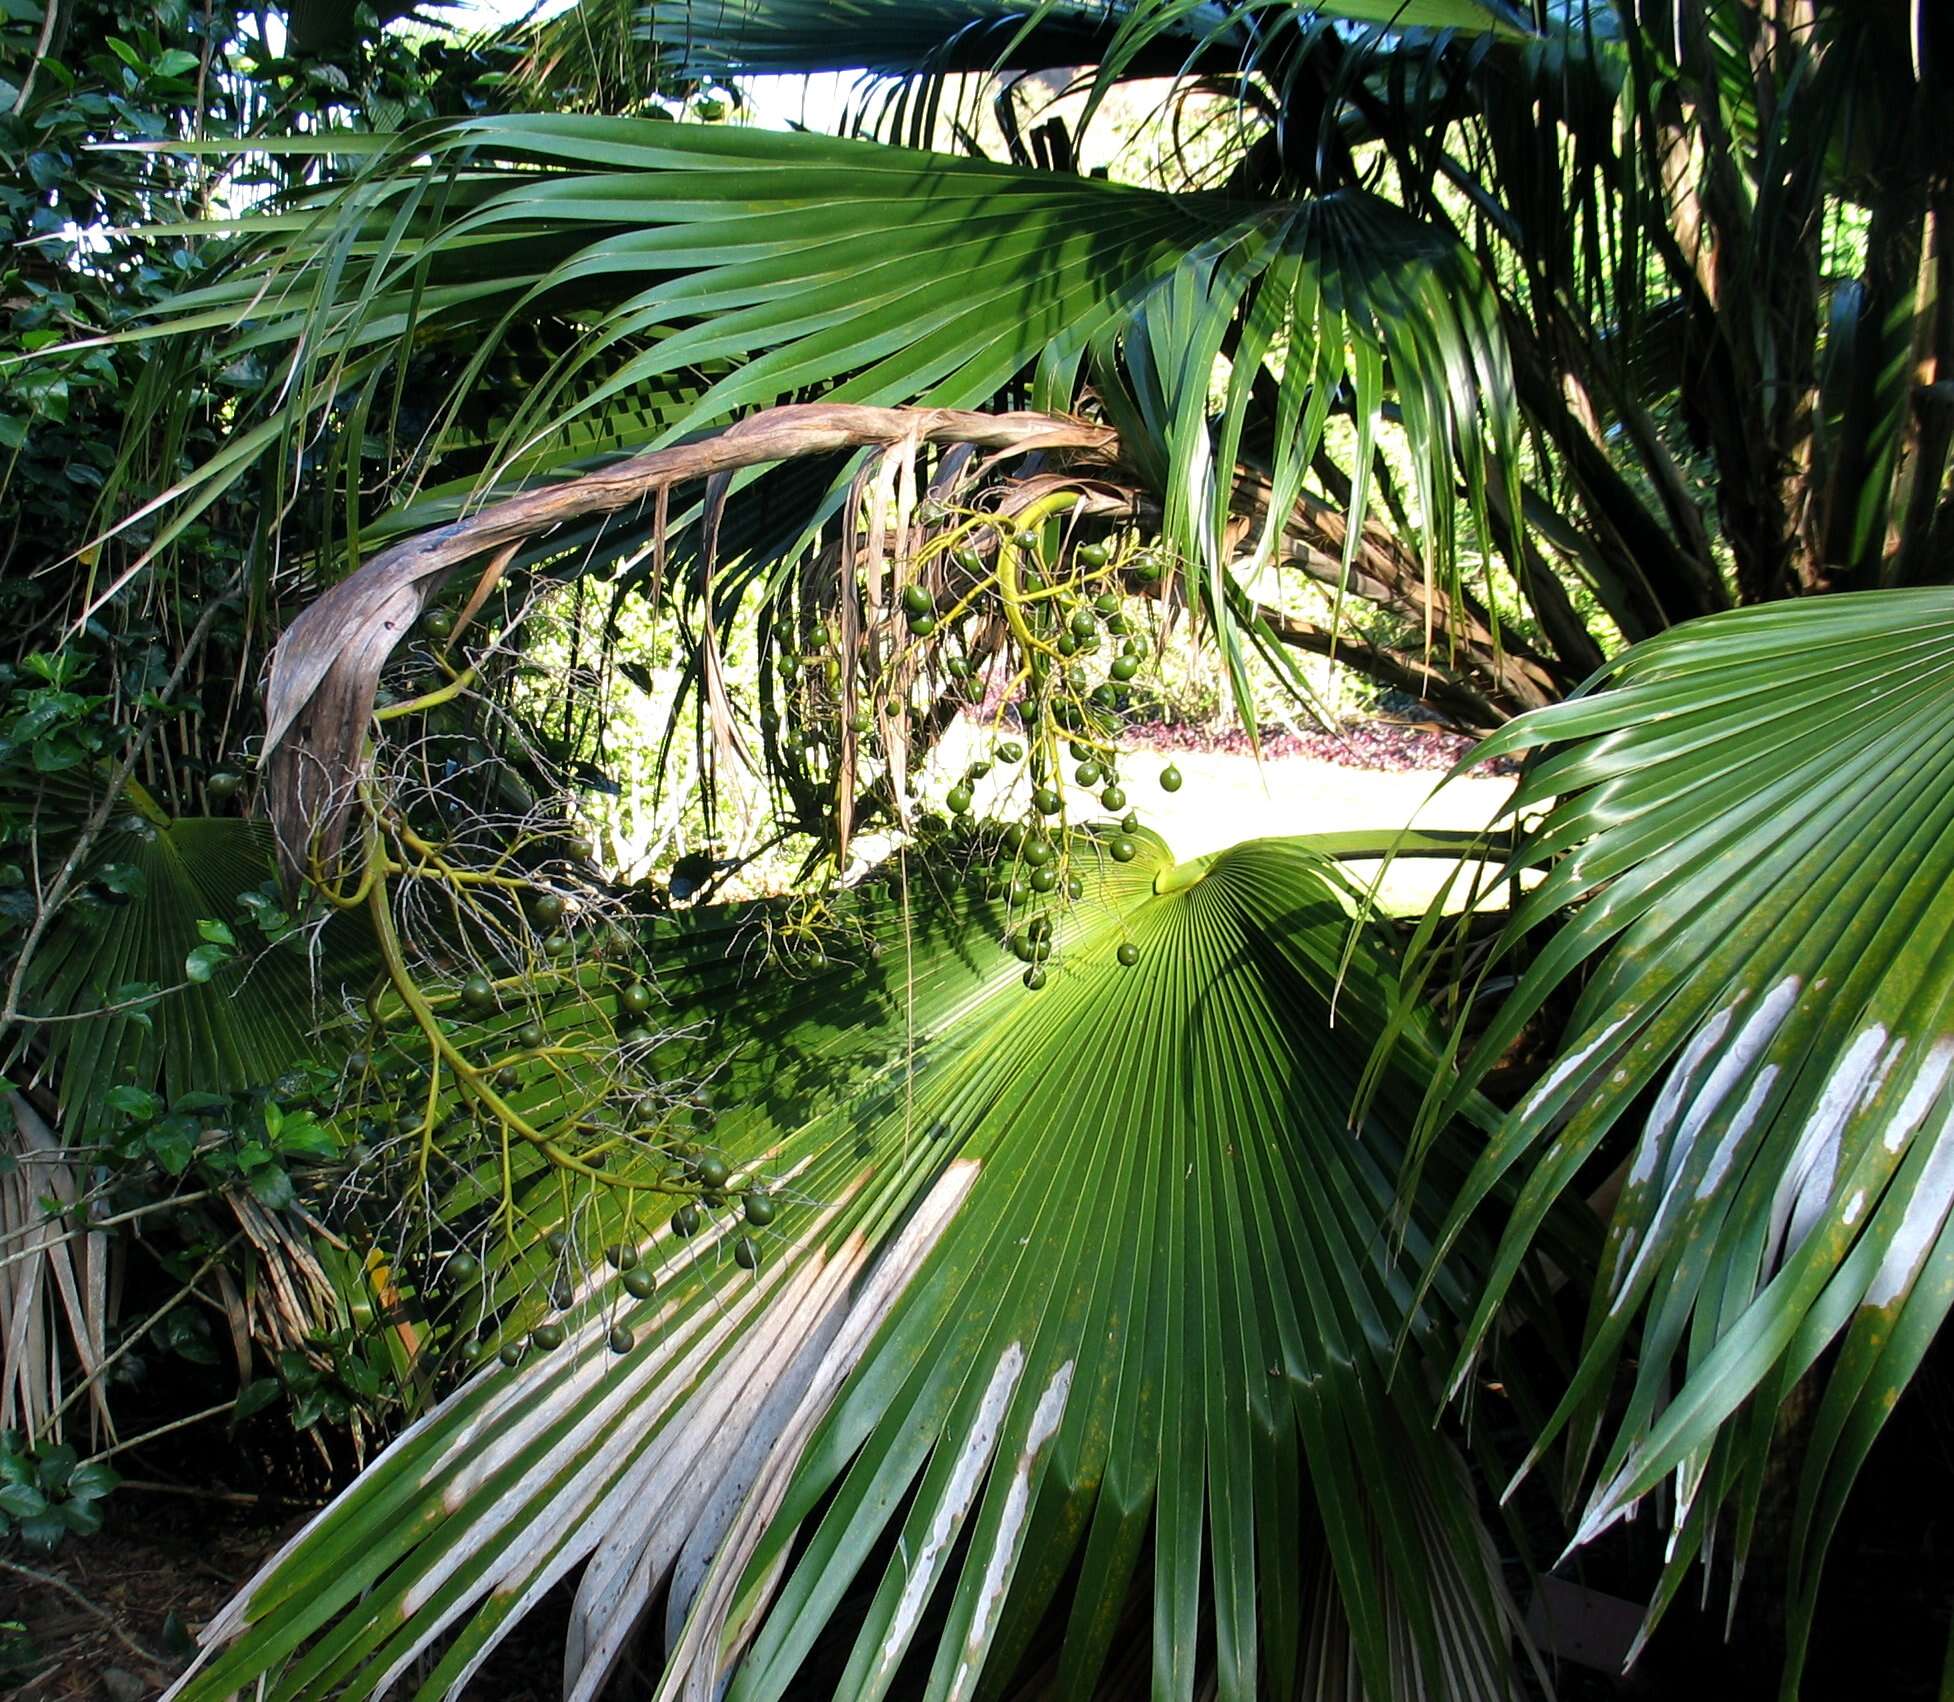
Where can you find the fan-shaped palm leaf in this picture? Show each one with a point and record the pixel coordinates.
(692, 39)
(785, 263)
(111, 998)
(1753, 818)
(1081, 1302)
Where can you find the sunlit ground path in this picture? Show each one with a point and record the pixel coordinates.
(1227, 797)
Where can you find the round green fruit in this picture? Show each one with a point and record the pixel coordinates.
(556, 1241)
(635, 999)
(1170, 779)
(1034, 977)
(622, 1340)
(760, 1207)
(1128, 954)
(1037, 852)
(439, 624)
(557, 946)
(1044, 880)
(530, 1036)
(1087, 774)
(1124, 668)
(1123, 849)
(1131, 824)
(917, 601)
(511, 1355)
(548, 1336)
(463, 1269)
(959, 799)
(477, 994)
(957, 668)
(921, 626)
(746, 1253)
(714, 1172)
(622, 1255)
(639, 1283)
(685, 1221)
(1082, 623)
(1114, 799)
(549, 909)
(1010, 751)
(223, 786)
(1074, 887)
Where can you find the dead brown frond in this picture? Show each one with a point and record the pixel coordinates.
(326, 669)
(54, 1288)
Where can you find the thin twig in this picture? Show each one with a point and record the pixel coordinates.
(52, 901)
(136, 1335)
(183, 1423)
(229, 1497)
(148, 1656)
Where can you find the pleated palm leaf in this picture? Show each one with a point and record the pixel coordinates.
(181, 1010)
(170, 973)
(1077, 1318)
(611, 51)
(1749, 825)
(707, 273)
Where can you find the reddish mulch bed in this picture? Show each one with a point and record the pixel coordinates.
(1390, 747)
(1383, 744)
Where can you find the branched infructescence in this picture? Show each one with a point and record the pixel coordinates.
(508, 1086)
(510, 1034)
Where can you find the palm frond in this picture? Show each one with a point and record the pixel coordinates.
(718, 39)
(1752, 820)
(113, 1003)
(55, 1307)
(1081, 1305)
(880, 275)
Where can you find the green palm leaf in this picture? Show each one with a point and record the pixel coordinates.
(1096, 1277)
(724, 38)
(775, 265)
(122, 949)
(1752, 818)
